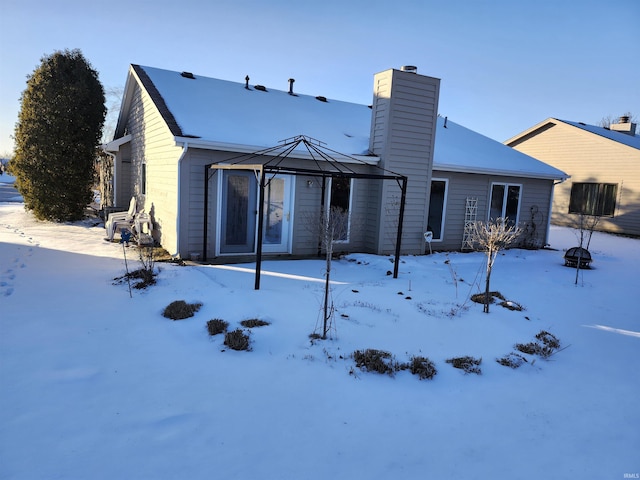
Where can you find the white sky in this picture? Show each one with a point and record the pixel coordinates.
(504, 65)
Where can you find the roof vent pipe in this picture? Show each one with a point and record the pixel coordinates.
(246, 79)
(409, 69)
(291, 80)
(624, 119)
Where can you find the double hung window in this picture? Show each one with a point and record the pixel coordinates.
(505, 202)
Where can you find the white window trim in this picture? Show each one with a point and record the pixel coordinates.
(328, 205)
(218, 221)
(504, 199)
(444, 207)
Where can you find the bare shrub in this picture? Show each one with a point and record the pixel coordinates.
(179, 310)
(467, 364)
(237, 340)
(216, 326)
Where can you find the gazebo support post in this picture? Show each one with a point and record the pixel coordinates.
(403, 198)
(260, 226)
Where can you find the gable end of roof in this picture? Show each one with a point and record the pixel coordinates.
(157, 99)
(528, 134)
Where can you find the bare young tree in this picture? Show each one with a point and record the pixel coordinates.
(328, 227)
(491, 237)
(113, 99)
(586, 224)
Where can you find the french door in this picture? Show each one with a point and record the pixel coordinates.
(238, 217)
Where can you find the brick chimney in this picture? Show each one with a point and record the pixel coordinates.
(624, 125)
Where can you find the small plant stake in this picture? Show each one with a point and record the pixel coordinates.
(125, 236)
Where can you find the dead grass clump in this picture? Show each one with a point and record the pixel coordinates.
(548, 339)
(531, 348)
(254, 322)
(179, 310)
(423, 367)
(237, 340)
(511, 305)
(547, 344)
(372, 360)
(479, 297)
(140, 279)
(216, 326)
(513, 360)
(467, 364)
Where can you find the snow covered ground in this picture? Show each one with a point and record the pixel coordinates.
(97, 385)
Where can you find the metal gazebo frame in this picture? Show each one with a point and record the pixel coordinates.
(318, 153)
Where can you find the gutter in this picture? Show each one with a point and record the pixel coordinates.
(178, 193)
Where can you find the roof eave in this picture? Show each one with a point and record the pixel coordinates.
(530, 130)
(249, 149)
(503, 173)
(114, 145)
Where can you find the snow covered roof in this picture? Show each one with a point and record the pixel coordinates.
(620, 137)
(632, 141)
(458, 149)
(227, 115)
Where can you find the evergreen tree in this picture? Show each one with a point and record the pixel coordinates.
(58, 129)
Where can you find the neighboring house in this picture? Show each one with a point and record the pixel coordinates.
(193, 149)
(604, 164)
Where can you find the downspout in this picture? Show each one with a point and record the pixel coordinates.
(182, 155)
(549, 213)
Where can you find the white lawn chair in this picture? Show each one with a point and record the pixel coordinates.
(120, 220)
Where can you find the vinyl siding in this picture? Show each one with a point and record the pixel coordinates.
(153, 143)
(403, 134)
(589, 157)
(533, 207)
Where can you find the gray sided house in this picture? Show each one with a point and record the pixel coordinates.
(604, 164)
(194, 150)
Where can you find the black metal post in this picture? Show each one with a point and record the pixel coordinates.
(260, 226)
(403, 199)
(206, 212)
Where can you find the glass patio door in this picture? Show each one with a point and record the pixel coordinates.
(238, 211)
(277, 214)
